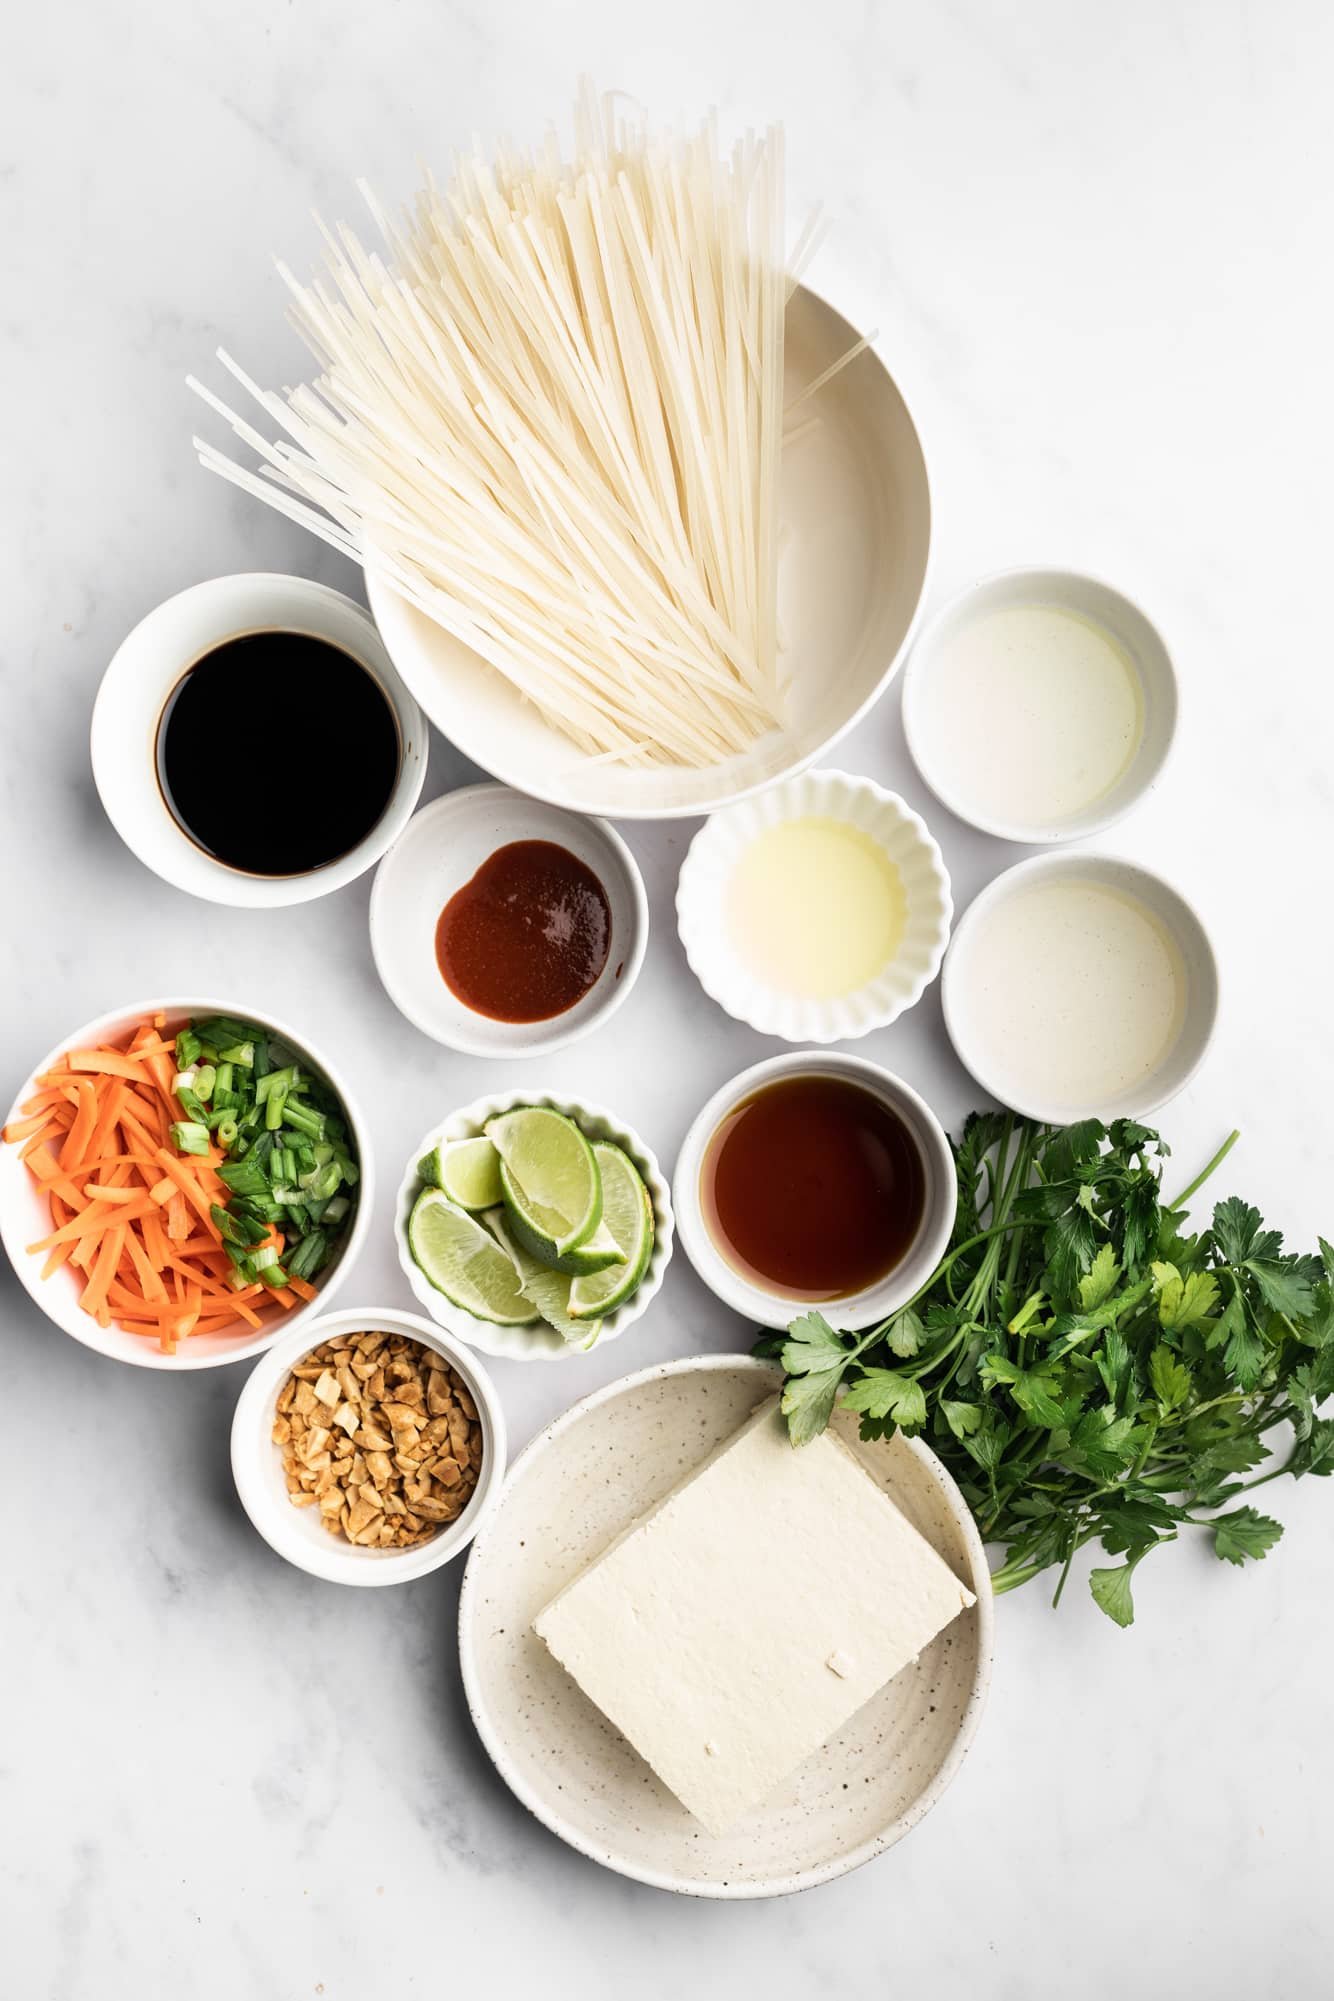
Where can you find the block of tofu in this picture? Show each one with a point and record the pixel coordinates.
(738, 1625)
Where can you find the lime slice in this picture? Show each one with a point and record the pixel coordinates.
(467, 1169)
(549, 1178)
(465, 1262)
(627, 1216)
(549, 1290)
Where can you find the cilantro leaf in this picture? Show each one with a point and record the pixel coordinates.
(1111, 1591)
(1034, 1390)
(1099, 1281)
(884, 1393)
(1184, 1302)
(1171, 1379)
(808, 1403)
(812, 1344)
(1315, 1454)
(905, 1333)
(1103, 1441)
(1236, 1227)
(1244, 1350)
(1286, 1284)
(962, 1418)
(1244, 1533)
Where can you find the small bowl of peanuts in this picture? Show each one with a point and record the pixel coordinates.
(368, 1447)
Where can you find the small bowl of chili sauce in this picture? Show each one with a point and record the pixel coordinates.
(501, 926)
(253, 744)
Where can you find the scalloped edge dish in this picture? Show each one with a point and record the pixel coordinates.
(537, 1342)
(900, 834)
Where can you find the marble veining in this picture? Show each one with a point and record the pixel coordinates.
(1095, 243)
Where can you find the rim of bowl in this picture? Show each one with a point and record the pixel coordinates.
(253, 1417)
(699, 922)
(485, 1336)
(525, 1043)
(169, 851)
(1075, 827)
(1069, 862)
(377, 590)
(774, 1309)
(143, 1355)
(773, 1886)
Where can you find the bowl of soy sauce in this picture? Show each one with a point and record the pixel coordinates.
(253, 744)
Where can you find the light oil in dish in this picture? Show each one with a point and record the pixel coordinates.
(1034, 712)
(1079, 990)
(815, 908)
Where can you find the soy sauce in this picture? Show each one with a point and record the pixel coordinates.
(527, 936)
(813, 1187)
(277, 753)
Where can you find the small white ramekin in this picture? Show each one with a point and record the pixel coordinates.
(705, 884)
(860, 1309)
(441, 849)
(25, 1217)
(965, 1003)
(536, 1342)
(296, 1533)
(135, 689)
(1090, 598)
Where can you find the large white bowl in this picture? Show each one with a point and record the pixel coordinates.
(147, 666)
(855, 535)
(25, 1217)
(296, 1533)
(587, 1477)
(537, 1342)
(705, 886)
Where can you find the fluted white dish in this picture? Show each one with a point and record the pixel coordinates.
(537, 1342)
(705, 882)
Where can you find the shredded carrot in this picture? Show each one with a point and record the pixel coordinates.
(128, 1214)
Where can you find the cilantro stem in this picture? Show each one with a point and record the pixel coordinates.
(1192, 1188)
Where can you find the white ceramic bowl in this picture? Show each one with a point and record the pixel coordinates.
(855, 529)
(925, 726)
(970, 1008)
(705, 884)
(146, 668)
(582, 1481)
(296, 1533)
(538, 1342)
(24, 1216)
(860, 1309)
(442, 849)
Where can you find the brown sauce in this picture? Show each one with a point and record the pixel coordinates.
(277, 753)
(813, 1187)
(528, 936)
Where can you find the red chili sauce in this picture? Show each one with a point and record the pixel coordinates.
(528, 936)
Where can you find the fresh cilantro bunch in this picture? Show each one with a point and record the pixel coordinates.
(1086, 1367)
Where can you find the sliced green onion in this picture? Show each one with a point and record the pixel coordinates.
(285, 1080)
(188, 1137)
(184, 1080)
(187, 1047)
(335, 1209)
(225, 1132)
(238, 1052)
(205, 1078)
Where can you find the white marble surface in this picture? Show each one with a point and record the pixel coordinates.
(1096, 242)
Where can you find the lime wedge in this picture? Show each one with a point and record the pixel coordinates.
(467, 1169)
(465, 1262)
(548, 1290)
(549, 1179)
(627, 1216)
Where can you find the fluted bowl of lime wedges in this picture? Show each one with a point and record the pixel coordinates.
(534, 1227)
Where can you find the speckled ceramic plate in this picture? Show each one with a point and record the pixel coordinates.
(577, 1486)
